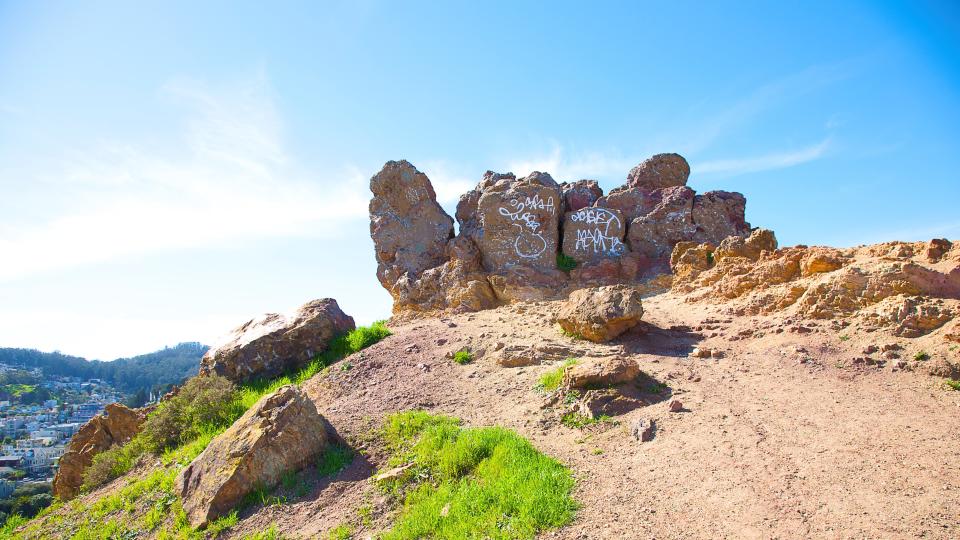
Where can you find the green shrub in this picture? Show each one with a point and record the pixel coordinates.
(552, 379)
(489, 482)
(921, 356)
(566, 262)
(953, 384)
(203, 401)
(463, 357)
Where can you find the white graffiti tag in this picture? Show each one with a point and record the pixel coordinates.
(598, 238)
(530, 242)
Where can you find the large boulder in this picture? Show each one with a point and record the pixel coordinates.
(590, 234)
(660, 171)
(521, 223)
(671, 220)
(273, 344)
(602, 313)
(117, 425)
(580, 194)
(409, 228)
(719, 214)
(281, 432)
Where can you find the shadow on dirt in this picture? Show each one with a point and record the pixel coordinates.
(645, 338)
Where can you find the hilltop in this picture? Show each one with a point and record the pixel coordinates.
(565, 364)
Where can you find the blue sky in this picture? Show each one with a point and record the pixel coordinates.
(170, 169)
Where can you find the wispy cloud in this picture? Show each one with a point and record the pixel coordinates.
(776, 160)
(565, 165)
(229, 177)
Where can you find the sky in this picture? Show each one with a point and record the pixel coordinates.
(169, 170)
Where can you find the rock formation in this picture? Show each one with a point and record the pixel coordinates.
(116, 426)
(602, 313)
(911, 289)
(511, 231)
(281, 432)
(273, 344)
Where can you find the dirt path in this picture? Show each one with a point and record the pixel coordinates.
(781, 438)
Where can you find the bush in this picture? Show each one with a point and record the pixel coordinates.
(921, 356)
(954, 384)
(463, 357)
(566, 262)
(203, 401)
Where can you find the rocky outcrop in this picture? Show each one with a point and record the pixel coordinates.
(512, 232)
(912, 289)
(273, 344)
(408, 227)
(117, 425)
(281, 432)
(602, 313)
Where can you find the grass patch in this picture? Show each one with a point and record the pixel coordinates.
(953, 384)
(335, 459)
(572, 335)
(921, 356)
(552, 379)
(472, 482)
(844, 337)
(463, 357)
(566, 262)
(341, 532)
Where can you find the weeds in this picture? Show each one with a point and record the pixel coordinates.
(463, 357)
(844, 337)
(572, 335)
(953, 384)
(341, 532)
(921, 356)
(552, 379)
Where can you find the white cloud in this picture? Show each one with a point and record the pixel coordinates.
(448, 182)
(776, 160)
(229, 178)
(566, 166)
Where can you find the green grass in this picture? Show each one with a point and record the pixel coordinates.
(572, 335)
(333, 460)
(161, 511)
(710, 258)
(921, 356)
(552, 379)
(566, 262)
(472, 482)
(341, 532)
(953, 384)
(844, 337)
(269, 534)
(576, 420)
(463, 357)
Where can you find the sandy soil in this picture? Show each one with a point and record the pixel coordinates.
(783, 437)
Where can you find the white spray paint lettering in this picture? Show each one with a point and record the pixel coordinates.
(598, 238)
(530, 242)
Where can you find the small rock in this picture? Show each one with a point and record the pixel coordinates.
(700, 352)
(718, 354)
(676, 406)
(441, 341)
(891, 347)
(870, 349)
(423, 367)
(644, 429)
(891, 355)
(392, 474)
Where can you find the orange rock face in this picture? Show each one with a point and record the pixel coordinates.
(910, 288)
(116, 426)
(281, 432)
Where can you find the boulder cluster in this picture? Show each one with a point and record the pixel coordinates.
(532, 238)
(909, 288)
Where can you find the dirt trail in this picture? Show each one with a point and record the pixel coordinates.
(781, 438)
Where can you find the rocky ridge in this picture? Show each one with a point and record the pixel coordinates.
(513, 233)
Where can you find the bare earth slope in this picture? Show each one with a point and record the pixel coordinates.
(784, 437)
